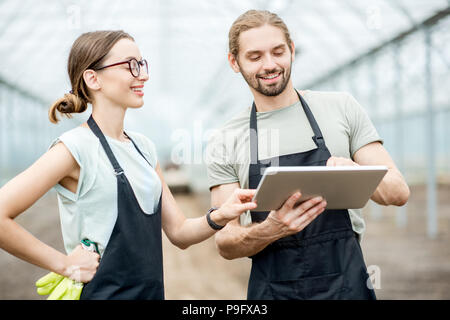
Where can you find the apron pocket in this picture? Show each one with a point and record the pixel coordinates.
(326, 287)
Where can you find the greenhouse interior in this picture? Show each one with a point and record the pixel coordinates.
(392, 56)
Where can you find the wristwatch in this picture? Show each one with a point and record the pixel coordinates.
(211, 223)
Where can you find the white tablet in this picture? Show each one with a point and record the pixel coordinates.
(343, 187)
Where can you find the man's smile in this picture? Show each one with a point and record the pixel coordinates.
(270, 78)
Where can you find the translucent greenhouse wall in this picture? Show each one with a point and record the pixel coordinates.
(25, 130)
(405, 87)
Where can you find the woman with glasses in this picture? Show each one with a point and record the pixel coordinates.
(109, 183)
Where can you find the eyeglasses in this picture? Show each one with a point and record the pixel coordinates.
(133, 65)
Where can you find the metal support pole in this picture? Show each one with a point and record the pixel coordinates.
(3, 140)
(376, 211)
(399, 141)
(431, 140)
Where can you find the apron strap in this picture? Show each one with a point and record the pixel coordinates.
(317, 138)
(96, 130)
(138, 150)
(254, 168)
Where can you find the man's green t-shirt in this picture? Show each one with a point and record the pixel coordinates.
(343, 122)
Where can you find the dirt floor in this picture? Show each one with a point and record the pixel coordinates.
(404, 263)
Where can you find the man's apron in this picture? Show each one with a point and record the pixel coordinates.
(324, 260)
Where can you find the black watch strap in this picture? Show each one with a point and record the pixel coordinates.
(211, 223)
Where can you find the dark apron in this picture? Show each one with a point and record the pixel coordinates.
(131, 267)
(324, 260)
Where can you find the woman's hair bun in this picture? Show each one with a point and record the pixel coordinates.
(67, 105)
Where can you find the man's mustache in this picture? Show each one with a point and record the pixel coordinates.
(270, 72)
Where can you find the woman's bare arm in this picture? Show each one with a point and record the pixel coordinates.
(21, 193)
(183, 231)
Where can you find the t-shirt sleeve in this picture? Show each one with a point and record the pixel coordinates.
(220, 169)
(362, 130)
(86, 159)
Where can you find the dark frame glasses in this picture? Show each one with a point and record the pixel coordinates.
(133, 65)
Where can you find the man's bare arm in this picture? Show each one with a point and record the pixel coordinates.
(393, 189)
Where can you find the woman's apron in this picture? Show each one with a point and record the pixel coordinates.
(131, 267)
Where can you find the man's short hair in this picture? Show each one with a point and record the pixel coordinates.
(254, 19)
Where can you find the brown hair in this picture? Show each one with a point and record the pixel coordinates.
(254, 19)
(88, 51)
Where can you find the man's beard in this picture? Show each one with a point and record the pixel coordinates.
(268, 90)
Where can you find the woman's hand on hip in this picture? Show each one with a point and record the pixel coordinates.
(81, 264)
